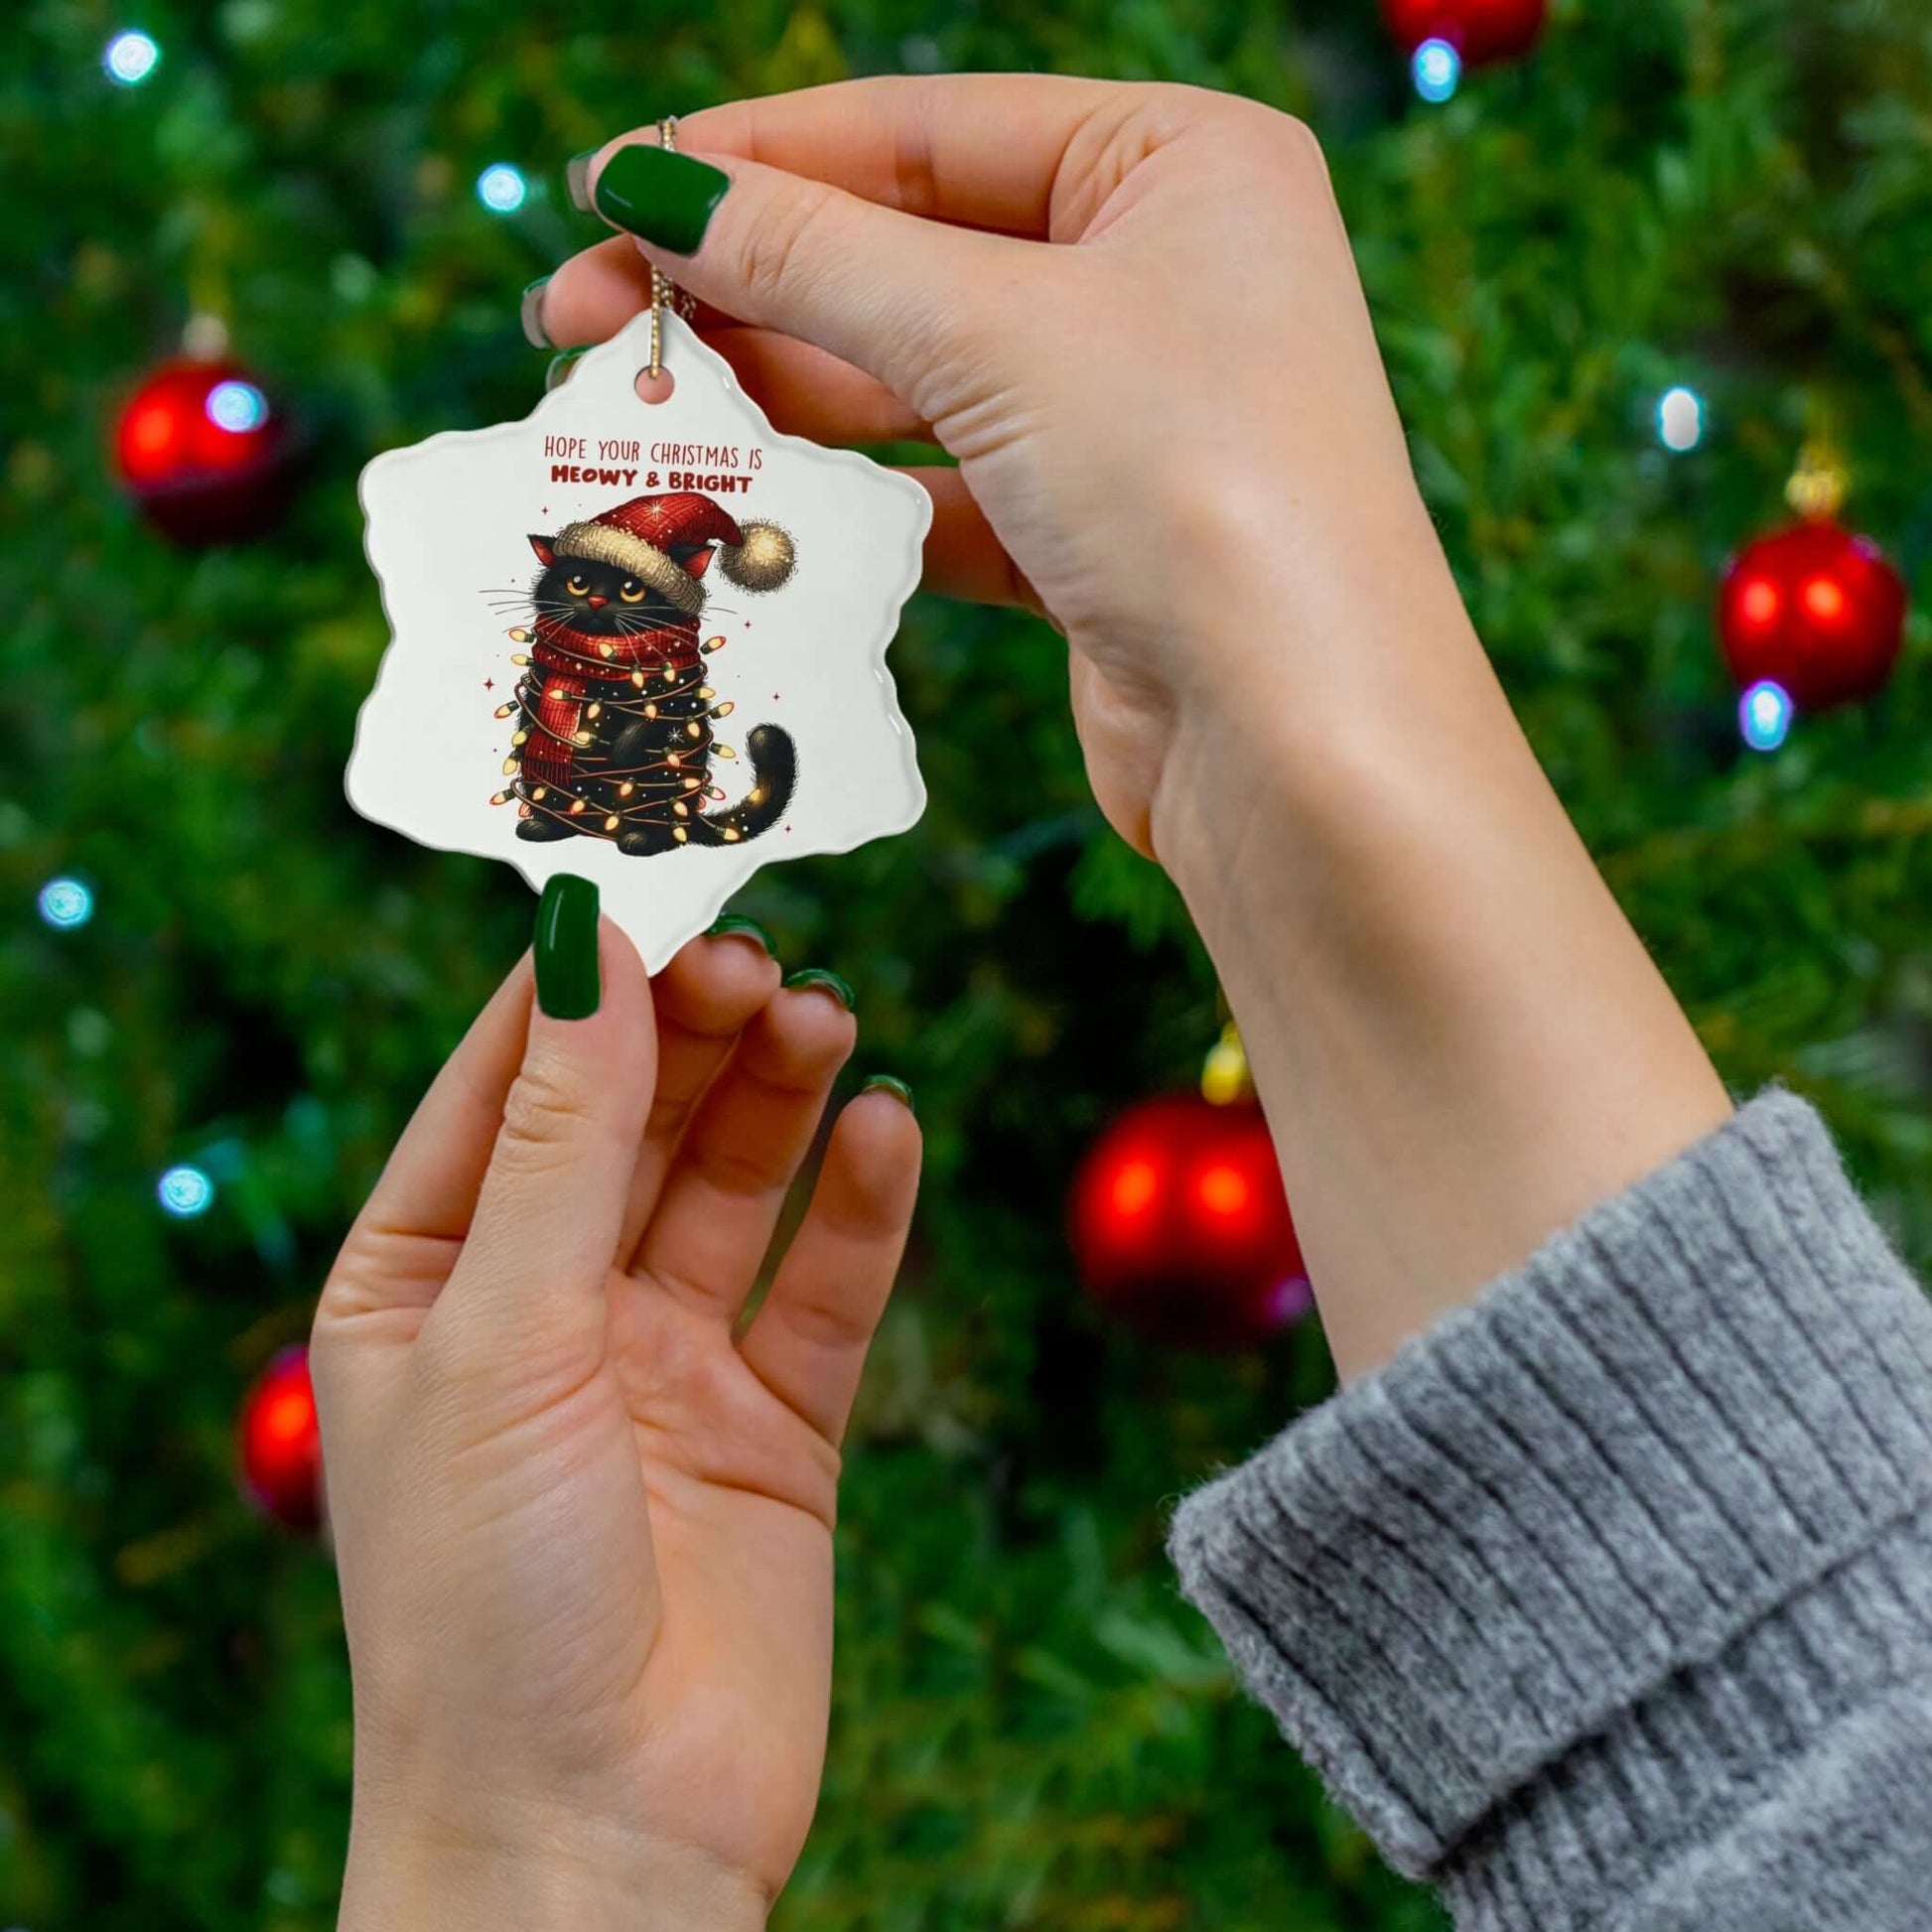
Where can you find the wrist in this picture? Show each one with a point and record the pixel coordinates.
(535, 1875)
(1330, 634)
(1331, 713)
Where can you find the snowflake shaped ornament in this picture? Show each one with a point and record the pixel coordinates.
(642, 642)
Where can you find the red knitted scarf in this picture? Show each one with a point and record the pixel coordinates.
(568, 661)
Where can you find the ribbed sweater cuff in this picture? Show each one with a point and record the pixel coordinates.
(1555, 1541)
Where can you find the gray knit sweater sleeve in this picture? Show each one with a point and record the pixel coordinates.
(1607, 1605)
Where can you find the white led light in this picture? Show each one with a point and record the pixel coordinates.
(65, 903)
(131, 57)
(1764, 715)
(1437, 71)
(1680, 420)
(502, 188)
(185, 1192)
(236, 406)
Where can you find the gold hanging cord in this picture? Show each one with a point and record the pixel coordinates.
(665, 293)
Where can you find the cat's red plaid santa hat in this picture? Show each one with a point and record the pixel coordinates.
(667, 542)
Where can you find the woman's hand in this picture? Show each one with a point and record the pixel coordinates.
(1147, 419)
(584, 1528)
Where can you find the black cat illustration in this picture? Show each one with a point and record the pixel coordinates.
(613, 713)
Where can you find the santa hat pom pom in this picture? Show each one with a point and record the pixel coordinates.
(762, 561)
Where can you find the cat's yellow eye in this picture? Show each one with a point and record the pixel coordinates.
(631, 591)
(576, 586)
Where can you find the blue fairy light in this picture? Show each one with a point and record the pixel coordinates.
(131, 57)
(1679, 419)
(185, 1192)
(502, 188)
(1437, 71)
(1764, 715)
(65, 903)
(236, 406)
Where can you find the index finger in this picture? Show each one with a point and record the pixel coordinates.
(980, 149)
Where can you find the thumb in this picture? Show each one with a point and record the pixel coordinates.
(531, 1284)
(891, 293)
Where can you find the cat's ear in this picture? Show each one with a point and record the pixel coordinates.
(546, 551)
(699, 561)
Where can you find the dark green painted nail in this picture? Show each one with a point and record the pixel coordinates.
(577, 179)
(736, 922)
(664, 197)
(530, 311)
(822, 976)
(560, 369)
(893, 1084)
(568, 987)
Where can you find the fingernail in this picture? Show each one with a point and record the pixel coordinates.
(560, 369)
(664, 197)
(566, 948)
(730, 923)
(889, 1083)
(820, 976)
(530, 311)
(577, 179)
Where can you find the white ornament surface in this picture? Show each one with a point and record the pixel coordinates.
(449, 523)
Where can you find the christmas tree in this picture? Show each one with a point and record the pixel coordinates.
(1621, 281)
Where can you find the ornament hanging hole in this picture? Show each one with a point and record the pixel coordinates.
(654, 388)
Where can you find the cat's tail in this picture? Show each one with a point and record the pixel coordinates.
(775, 770)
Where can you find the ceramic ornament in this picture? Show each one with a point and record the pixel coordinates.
(645, 642)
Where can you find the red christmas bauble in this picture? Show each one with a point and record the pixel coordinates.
(1480, 31)
(281, 1446)
(204, 452)
(1814, 608)
(1180, 1224)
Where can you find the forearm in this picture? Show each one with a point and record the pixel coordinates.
(1460, 1042)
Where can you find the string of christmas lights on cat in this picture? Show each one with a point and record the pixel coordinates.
(648, 801)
